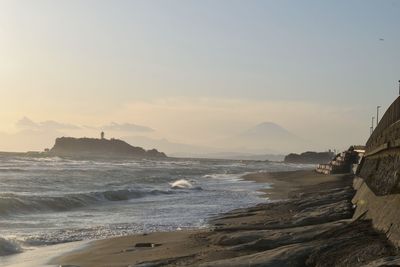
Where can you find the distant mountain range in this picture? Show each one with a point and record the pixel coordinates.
(166, 146)
(270, 136)
(267, 130)
(265, 141)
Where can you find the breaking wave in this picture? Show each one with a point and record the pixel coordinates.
(12, 203)
(183, 184)
(8, 247)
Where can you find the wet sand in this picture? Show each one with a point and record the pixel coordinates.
(309, 223)
(285, 182)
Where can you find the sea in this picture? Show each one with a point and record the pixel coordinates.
(48, 201)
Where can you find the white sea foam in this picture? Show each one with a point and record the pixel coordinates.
(184, 184)
(181, 184)
(224, 176)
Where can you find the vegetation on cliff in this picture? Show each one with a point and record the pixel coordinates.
(309, 157)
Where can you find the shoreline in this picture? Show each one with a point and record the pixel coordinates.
(284, 182)
(40, 256)
(308, 211)
(103, 244)
(309, 222)
(44, 255)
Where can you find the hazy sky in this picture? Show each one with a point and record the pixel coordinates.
(196, 71)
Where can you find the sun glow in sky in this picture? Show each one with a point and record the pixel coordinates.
(196, 72)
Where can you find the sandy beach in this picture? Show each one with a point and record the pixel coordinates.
(309, 223)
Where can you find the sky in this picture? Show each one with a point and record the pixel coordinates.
(195, 72)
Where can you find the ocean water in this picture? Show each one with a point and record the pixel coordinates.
(47, 201)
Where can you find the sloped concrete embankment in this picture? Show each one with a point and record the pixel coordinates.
(378, 183)
(377, 197)
(382, 210)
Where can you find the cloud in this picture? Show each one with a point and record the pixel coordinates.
(58, 126)
(35, 136)
(28, 124)
(127, 127)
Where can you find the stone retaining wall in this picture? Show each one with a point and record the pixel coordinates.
(378, 181)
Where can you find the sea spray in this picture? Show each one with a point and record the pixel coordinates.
(181, 184)
(184, 184)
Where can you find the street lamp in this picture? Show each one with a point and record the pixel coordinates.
(372, 124)
(377, 115)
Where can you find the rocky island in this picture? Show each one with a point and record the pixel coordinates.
(309, 157)
(100, 148)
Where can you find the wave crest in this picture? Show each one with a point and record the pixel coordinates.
(183, 184)
(13, 203)
(8, 247)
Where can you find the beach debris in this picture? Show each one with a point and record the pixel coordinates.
(146, 245)
(127, 250)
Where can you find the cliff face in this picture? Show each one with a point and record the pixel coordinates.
(91, 147)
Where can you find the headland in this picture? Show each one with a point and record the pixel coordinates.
(100, 148)
(309, 157)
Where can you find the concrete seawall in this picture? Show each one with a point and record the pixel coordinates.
(383, 211)
(378, 177)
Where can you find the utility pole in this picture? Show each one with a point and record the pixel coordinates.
(377, 115)
(399, 87)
